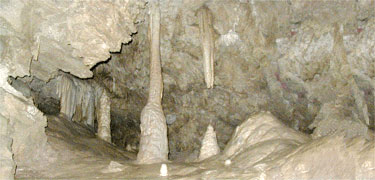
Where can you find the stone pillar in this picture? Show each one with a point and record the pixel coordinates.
(209, 144)
(153, 146)
(104, 119)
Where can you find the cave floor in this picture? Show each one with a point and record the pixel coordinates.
(75, 153)
(97, 168)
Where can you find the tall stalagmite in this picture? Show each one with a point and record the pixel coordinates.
(104, 119)
(153, 146)
(208, 45)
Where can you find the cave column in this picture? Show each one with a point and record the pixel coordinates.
(153, 146)
(104, 119)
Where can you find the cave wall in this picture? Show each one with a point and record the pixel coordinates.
(310, 63)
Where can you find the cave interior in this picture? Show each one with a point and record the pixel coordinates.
(187, 89)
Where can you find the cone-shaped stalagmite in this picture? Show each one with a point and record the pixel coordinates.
(209, 144)
(153, 146)
(208, 45)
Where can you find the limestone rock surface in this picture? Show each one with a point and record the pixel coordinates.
(45, 36)
(23, 141)
(261, 127)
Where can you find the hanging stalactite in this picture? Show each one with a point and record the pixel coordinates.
(79, 99)
(208, 45)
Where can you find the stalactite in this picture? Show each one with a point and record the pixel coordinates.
(153, 146)
(67, 94)
(90, 110)
(208, 45)
(77, 99)
(209, 144)
(104, 118)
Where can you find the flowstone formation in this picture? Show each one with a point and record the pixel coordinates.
(209, 144)
(208, 45)
(153, 145)
(262, 147)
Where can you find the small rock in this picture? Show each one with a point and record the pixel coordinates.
(171, 118)
(113, 167)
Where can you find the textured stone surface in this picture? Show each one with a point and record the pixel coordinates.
(331, 119)
(27, 129)
(22, 130)
(330, 157)
(71, 36)
(7, 166)
(261, 127)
